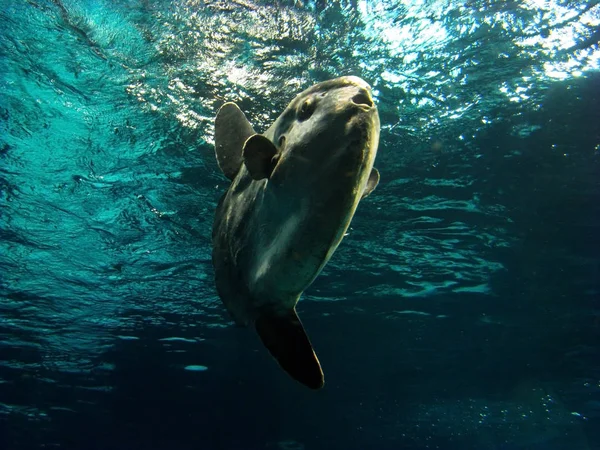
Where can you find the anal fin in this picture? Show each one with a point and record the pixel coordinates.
(284, 336)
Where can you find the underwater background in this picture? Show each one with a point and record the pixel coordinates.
(462, 311)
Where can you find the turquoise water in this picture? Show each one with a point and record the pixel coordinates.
(461, 311)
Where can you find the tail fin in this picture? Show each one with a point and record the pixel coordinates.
(284, 336)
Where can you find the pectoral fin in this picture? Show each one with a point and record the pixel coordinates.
(259, 156)
(372, 182)
(284, 336)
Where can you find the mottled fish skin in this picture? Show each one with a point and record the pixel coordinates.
(294, 191)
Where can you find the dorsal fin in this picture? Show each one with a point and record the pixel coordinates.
(232, 129)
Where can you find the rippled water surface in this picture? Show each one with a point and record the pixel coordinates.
(462, 310)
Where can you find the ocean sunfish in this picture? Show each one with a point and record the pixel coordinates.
(293, 193)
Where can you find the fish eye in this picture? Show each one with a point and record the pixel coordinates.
(306, 110)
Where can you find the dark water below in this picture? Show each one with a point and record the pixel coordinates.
(462, 311)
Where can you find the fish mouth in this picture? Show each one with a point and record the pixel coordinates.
(363, 99)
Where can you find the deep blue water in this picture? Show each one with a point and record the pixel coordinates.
(462, 311)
